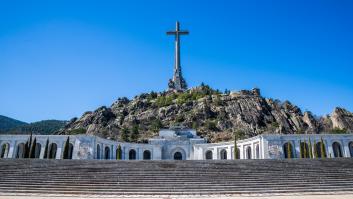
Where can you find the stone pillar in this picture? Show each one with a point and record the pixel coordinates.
(297, 148)
(345, 149)
(59, 150)
(122, 152)
(12, 149)
(241, 151)
(140, 154)
(229, 151)
(328, 148)
(42, 151)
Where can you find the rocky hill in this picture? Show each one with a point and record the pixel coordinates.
(215, 115)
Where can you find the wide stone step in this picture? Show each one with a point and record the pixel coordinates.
(25, 176)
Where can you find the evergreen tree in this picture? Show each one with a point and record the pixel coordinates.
(66, 148)
(305, 152)
(28, 147)
(125, 134)
(32, 153)
(118, 153)
(322, 149)
(46, 149)
(235, 147)
(289, 150)
(134, 133)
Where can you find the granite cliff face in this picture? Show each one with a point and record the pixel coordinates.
(215, 115)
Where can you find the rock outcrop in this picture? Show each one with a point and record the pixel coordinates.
(215, 115)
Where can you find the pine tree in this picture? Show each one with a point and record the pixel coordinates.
(305, 152)
(289, 150)
(125, 134)
(118, 153)
(235, 147)
(28, 147)
(32, 153)
(134, 133)
(46, 149)
(66, 148)
(322, 149)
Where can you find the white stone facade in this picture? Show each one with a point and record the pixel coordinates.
(181, 144)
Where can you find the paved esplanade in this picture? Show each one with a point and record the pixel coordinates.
(178, 82)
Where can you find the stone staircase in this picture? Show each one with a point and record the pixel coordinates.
(110, 177)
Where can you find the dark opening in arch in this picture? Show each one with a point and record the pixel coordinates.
(178, 156)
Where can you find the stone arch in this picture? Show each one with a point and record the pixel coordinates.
(53, 147)
(98, 151)
(350, 146)
(318, 150)
(337, 150)
(223, 154)
(21, 150)
(132, 154)
(209, 155)
(173, 154)
(106, 153)
(5, 148)
(304, 150)
(147, 155)
(288, 150)
(37, 150)
(248, 152)
(257, 152)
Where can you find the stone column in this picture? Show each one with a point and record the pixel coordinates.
(328, 148)
(42, 151)
(12, 148)
(297, 148)
(345, 149)
(140, 154)
(59, 150)
(122, 152)
(241, 151)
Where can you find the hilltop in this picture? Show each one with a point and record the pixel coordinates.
(215, 115)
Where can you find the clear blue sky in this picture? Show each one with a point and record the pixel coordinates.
(59, 59)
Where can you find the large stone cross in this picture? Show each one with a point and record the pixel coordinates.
(178, 80)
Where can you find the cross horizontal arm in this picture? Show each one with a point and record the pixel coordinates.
(178, 32)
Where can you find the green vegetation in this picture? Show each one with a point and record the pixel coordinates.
(45, 127)
(125, 134)
(46, 150)
(32, 152)
(163, 101)
(182, 98)
(66, 148)
(322, 148)
(211, 125)
(134, 133)
(77, 131)
(289, 150)
(235, 146)
(118, 153)
(339, 131)
(7, 124)
(156, 125)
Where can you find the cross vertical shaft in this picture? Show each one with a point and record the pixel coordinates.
(177, 83)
